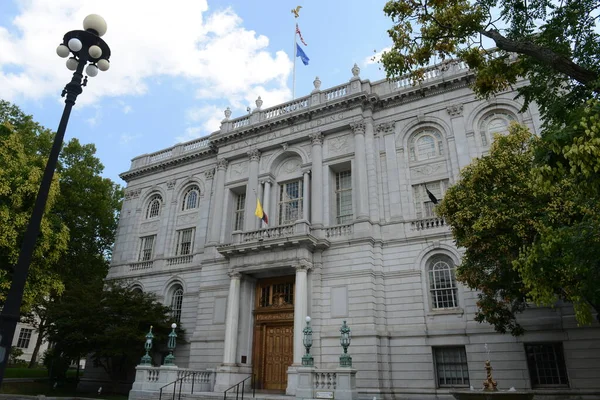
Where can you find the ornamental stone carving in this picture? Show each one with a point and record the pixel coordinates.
(259, 103)
(317, 83)
(227, 113)
(455, 110)
(133, 194)
(222, 163)
(355, 71)
(209, 174)
(234, 275)
(171, 184)
(386, 128)
(358, 128)
(149, 227)
(316, 138)
(254, 155)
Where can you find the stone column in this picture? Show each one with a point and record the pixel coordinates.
(360, 163)
(457, 143)
(219, 194)
(305, 194)
(316, 198)
(267, 201)
(300, 310)
(393, 182)
(371, 169)
(232, 319)
(250, 220)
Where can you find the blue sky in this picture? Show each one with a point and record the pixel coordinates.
(176, 65)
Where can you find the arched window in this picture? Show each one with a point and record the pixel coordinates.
(425, 144)
(442, 283)
(136, 289)
(176, 303)
(153, 209)
(496, 122)
(190, 198)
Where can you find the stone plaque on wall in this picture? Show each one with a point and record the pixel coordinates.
(339, 301)
(219, 310)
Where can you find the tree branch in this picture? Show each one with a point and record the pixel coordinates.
(546, 56)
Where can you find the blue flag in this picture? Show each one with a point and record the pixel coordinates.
(300, 53)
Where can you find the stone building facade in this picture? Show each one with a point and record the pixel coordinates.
(352, 236)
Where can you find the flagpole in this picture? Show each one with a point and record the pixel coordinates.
(294, 71)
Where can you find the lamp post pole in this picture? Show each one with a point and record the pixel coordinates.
(86, 46)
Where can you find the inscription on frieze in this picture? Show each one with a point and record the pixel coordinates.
(274, 316)
(149, 226)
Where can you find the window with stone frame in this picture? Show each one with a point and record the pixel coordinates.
(191, 198)
(239, 212)
(185, 242)
(154, 205)
(290, 202)
(343, 197)
(424, 206)
(451, 368)
(494, 123)
(442, 283)
(176, 302)
(546, 364)
(24, 338)
(425, 144)
(146, 248)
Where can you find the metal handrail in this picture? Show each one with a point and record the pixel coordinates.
(237, 388)
(174, 383)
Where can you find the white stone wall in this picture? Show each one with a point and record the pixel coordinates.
(371, 272)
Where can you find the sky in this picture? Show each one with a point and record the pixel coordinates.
(177, 65)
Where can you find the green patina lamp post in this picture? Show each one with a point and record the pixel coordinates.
(169, 360)
(147, 360)
(345, 338)
(307, 359)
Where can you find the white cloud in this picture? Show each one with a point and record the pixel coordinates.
(127, 138)
(94, 119)
(202, 121)
(374, 59)
(148, 39)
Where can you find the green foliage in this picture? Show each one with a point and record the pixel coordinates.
(110, 323)
(23, 148)
(14, 355)
(557, 44)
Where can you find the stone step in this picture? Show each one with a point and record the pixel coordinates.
(231, 396)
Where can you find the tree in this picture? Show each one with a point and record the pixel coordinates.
(24, 145)
(109, 323)
(557, 45)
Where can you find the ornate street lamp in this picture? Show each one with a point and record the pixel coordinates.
(307, 359)
(85, 47)
(171, 343)
(345, 338)
(147, 360)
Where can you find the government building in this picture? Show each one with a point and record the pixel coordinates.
(350, 234)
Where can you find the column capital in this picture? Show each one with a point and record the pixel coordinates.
(455, 110)
(222, 163)
(266, 181)
(358, 127)
(303, 266)
(254, 154)
(234, 275)
(316, 138)
(209, 174)
(386, 128)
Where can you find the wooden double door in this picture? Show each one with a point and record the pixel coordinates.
(273, 349)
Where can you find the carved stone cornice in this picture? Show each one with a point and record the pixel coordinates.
(455, 110)
(222, 163)
(209, 174)
(254, 155)
(132, 194)
(316, 138)
(358, 127)
(385, 128)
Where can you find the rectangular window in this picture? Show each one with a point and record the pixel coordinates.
(546, 363)
(451, 366)
(185, 239)
(240, 207)
(147, 247)
(343, 197)
(24, 338)
(290, 202)
(424, 205)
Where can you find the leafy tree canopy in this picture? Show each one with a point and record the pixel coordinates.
(557, 44)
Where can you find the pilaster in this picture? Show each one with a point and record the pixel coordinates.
(371, 170)
(250, 220)
(457, 143)
(219, 194)
(360, 162)
(317, 180)
(387, 130)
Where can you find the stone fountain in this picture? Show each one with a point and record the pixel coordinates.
(490, 390)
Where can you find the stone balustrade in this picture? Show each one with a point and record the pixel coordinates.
(427, 223)
(150, 380)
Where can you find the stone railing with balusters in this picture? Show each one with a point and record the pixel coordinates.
(179, 260)
(137, 266)
(269, 233)
(325, 379)
(338, 231)
(152, 379)
(175, 151)
(427, 223)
